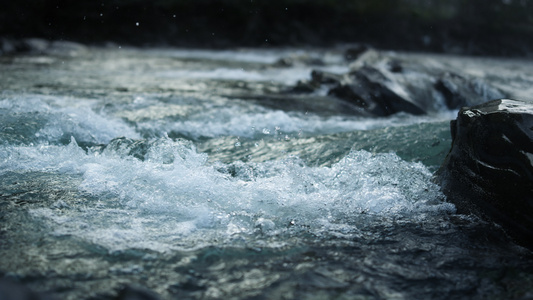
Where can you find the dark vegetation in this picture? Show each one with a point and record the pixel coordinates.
(487, 27)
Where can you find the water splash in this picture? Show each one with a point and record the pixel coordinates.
(173, 199)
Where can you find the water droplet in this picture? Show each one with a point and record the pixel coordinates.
(266, 131)
(237, 144)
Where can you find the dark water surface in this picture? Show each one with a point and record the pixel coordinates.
(196, 174)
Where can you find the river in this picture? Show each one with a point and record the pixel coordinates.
(198, 174)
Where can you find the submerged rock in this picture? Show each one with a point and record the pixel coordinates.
(489, 169)
(382, 84)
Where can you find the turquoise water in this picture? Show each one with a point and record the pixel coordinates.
(195, 175)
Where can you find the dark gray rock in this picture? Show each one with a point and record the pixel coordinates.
(321, 77)
(381, 84)
(318, 79)
(368, 89)
(489, 169)
(459, 91)
(295, 60)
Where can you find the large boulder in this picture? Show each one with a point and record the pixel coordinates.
(489, 169)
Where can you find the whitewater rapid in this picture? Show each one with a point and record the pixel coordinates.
(172, 198)
(202, 174)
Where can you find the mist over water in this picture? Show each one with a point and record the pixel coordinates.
(174, 170)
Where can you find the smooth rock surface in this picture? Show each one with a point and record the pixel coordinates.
(489, 170)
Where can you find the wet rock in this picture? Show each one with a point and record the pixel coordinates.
(374, 84)
(318, 79)
(459, 91)
(489, 169)
(368, 89)
(294, 60)
(385, 83)
(395, 66)
(321, 77)
(304, 86)
(369, 57)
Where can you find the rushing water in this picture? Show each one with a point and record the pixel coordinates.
(175, 171)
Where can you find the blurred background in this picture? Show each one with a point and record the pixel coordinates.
(474, 27)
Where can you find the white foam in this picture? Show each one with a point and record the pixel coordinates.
(65, 116)
(287, 76)
(128, 203)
